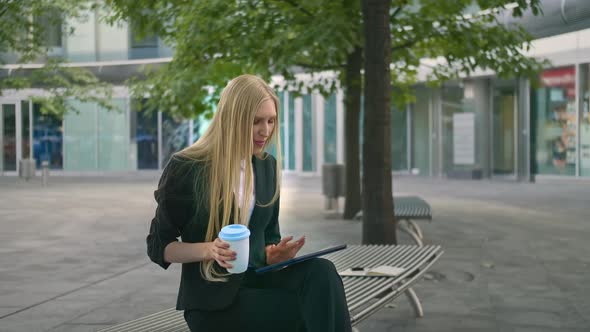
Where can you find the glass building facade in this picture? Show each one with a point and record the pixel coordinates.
(479, 127)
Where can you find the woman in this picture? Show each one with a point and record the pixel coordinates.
(226, 178)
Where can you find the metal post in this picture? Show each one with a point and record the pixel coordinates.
(45, 172)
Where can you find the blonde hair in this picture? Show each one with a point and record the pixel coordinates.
(226, 143)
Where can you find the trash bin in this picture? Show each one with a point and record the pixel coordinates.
(333, 184)
(26, 168)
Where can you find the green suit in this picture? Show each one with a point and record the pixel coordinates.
(308, 296)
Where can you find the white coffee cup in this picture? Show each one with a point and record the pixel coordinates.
(238, 238)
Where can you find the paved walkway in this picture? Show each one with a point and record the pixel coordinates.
(517, 258)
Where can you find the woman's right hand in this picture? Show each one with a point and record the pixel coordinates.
(220, 252)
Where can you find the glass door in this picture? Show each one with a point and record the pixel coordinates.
(504, 124)
(8, 137)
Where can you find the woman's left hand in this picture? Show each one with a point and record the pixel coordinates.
(284, 250)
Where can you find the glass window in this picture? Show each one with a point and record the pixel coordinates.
(421, 133)
(281, 96)
(144, 136)
(554, 121)
(291, 131)
(51, 24)
(26, 129)
(8, 132)
(113, 140)
(308, 144)
(585, 121)
(175, 136)
(142, 47)
(47, 139)
(80, 138)
(399, 139)
(330, 141)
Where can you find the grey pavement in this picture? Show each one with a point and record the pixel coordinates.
(517, 258)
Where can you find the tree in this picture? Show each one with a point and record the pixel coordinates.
(378, 224)
(23, 36)
(216, 40)
(398, 35)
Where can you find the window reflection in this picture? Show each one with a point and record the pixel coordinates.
(556, 117)
(47, 139)
(145, 137)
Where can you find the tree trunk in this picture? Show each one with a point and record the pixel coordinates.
(352, 107)
(378, 221)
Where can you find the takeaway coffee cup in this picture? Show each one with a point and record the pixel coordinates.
(238, 237)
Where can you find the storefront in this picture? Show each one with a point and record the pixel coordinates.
(482, 127)
(561, 125)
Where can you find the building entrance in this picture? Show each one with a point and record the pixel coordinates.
(504, 133)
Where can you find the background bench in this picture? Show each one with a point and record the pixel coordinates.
(406, 209)
(365, 295)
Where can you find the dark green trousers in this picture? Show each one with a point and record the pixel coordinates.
(307, 296)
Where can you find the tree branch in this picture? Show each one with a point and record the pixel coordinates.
(398, 10)
(4, 10)
(404, 45)
(316, 67)
(298, 6)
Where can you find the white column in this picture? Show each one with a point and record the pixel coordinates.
(578, 103)
(318, 109)
(409, 142)
(96, 137)
(298, 137)
(285, 116)
(340, 120)
(19, 134)
(132, 160)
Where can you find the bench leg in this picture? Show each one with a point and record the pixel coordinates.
(404, 227)
(416, 228)
(354, 329)
(415, 302)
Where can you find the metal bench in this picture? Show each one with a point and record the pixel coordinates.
(365, 295)
(406, 209)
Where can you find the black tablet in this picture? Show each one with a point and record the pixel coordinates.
(281, 265)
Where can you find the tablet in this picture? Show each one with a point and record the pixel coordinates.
(284, 264)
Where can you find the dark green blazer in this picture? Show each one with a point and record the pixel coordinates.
(182, 212)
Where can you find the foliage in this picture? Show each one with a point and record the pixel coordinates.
(218, 40)
(23, 36)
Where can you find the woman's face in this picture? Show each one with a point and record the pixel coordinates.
(264, 124)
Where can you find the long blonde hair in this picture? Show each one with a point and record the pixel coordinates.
(226, 143)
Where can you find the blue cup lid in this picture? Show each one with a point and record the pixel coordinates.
(234, 232)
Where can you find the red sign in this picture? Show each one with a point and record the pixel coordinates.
(560, 78)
